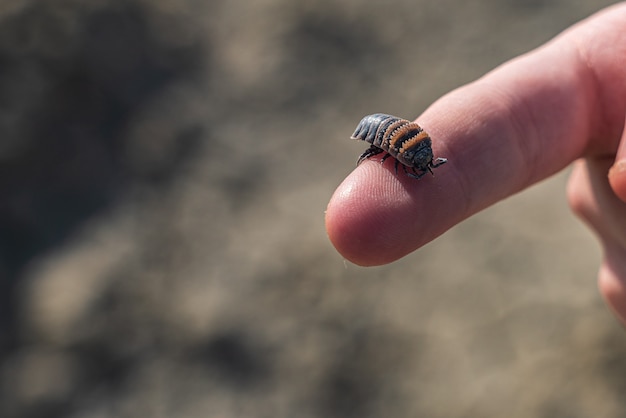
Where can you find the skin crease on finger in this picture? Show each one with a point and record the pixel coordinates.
(519, 124)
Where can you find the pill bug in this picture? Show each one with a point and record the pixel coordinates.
(401, 139)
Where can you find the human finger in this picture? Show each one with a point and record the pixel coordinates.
(517, 125)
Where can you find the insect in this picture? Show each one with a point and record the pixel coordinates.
(401, 139)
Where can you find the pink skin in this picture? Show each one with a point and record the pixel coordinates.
(519, 124)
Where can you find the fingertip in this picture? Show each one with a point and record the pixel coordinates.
(377, 216)
(617, 179)
(357, 217)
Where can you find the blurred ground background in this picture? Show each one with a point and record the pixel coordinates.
(165, 169)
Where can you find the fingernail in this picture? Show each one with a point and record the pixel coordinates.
(618, 168)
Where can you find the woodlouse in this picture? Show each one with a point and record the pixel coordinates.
(406, 141)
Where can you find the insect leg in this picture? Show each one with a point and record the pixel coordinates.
(382, 160)
(438, 162)
(415, 175)
(370, 152)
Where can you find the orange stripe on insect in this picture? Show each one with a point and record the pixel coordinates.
(394, 133)
(413, 141)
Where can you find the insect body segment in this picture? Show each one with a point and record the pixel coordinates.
(401, 139)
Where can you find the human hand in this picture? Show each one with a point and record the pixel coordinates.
(519, 124)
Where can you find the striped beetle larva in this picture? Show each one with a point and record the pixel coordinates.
(401, 139)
